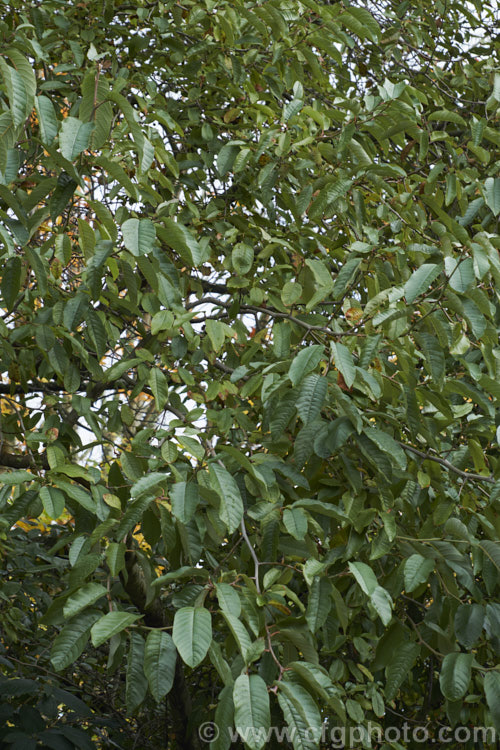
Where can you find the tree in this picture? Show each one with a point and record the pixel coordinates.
(250, 371)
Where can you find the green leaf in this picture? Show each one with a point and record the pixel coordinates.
(71, 640)
(16, 477)
(327, 197)
(17, 93)
(227, 156)
(224, 720)
(345, 277)
(162, 321)
(416, 571)
(47, 119)
(301, 714)
(420, 281)
(242, 258)
(118, 173)
(364, 576)
(159, 387)
(295, 521)
(305, 361)
(148, 485)
(381, 601)
(97, 332)
(76, 493)
(344, 362)
(231, 504)
(491, 550)
(229, 600)
(311, 397)
(139, 236)
(469, 619)
(184, 497)
(319, 603)
(492, 194)
(133, 515)
(361, 22)
(83, 598)
(160, 658)
(291, 293)
(252, 716)
(460, 273)
(455, 675)
(111, 624)
(136, 684)
(192, 634)
(291, 108)
(53, 501)
(180, 239)
(492, 692)
(74, 137)
(240, 634)
(11, 281)
(434, 357)
(402, 661)
(444, 115)
(216, 333)
(115, 557)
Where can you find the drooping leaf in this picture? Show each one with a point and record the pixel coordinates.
(251, 710)
(416, 571)
(136, 683)
(74, 137)
(192, 634)
(139, 236)
(455, 675)
(231, 504)
(160, 658)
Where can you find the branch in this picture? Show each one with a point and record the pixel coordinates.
(447, 465)
(252, 552)
(22, 461)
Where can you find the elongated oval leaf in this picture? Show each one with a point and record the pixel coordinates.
(420, 281)
(83, 598)
(492, 691)
(252, 715)
(160, 658)
(192, 634)
(311, 397)
(319, 603)
(111, 624)
(231, 504)
(74, 137)
(402, 660)
(179, 237)
(47, 119)
(455, 675)
(305, 361)
(184, 497)
(71, 640)
(136, 684)
(469, 619)
(416, 571)
(139, 236)
(229, 600)
(365, 577)
(301, 712)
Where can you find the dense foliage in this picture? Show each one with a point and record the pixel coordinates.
(250, 370)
